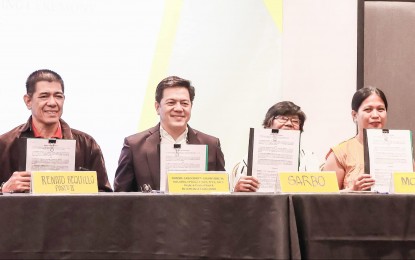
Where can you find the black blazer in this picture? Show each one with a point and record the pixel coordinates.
(139, 162)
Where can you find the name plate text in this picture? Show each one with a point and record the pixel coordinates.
(307, 182)
(64, 182)
(200, 182)
(404, 182)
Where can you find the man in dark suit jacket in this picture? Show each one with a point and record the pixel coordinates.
(139, 162)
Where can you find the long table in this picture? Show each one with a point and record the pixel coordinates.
(136, 225)
(355, 226)
(233, 226)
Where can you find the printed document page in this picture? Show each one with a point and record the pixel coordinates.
(388, 151)
(50, 154)
(188, 157)
(273, 151)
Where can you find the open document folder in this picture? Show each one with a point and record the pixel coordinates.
(50, 154)
(271, 151)
(181, 157)
(387, 151)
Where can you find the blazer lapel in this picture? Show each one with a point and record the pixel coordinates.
(153, 155)
(192, 136)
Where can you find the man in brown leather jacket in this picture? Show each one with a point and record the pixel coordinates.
(45, 98)
(139, 163)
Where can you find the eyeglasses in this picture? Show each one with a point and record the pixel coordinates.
(284, 119)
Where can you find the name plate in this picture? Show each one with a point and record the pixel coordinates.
(198, 182)
(64, 182)
(404, 182)
(307, 182)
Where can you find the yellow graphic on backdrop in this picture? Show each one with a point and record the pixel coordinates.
(161, 60)
(275, 9)
(164, 49)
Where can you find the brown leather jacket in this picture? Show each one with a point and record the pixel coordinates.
(88, 153)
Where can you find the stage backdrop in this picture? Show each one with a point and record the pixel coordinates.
(241, 55)
(112, 54)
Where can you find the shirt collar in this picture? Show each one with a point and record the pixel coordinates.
(166, 138)
(58, 134)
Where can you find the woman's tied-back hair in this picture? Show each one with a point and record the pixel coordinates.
(364, 93)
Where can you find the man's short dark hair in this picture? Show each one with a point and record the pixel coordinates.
(42, 75)
(171, 82)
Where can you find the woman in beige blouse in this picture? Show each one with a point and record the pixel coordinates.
(369, 110)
